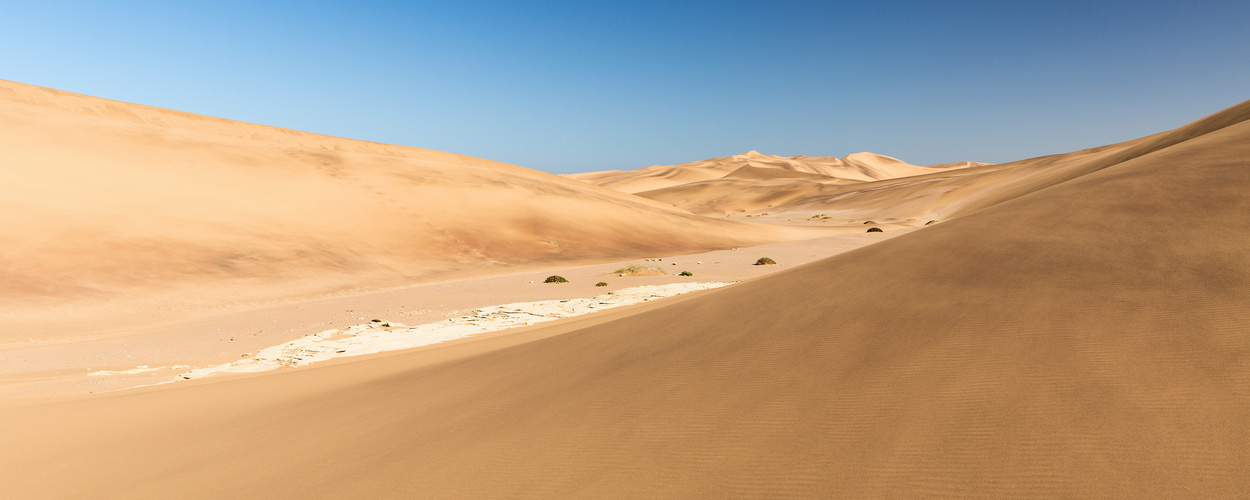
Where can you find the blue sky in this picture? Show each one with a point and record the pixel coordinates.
(577, 86)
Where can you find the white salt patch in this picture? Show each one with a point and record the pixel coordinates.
(140, 369)
(380, 336)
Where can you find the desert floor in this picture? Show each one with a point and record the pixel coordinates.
(61, 365)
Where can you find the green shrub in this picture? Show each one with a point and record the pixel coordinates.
(686, 273)
(875, 230)
(601, 283)
(556, 279)
(765, 261)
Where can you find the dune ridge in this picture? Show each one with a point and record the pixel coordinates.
(44, 97)
(1084, 337)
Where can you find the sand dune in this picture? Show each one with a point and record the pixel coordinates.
(951, 191)
(749, 172)
(115, 215)
(754, 183)
(855, 167)
(1077, 331)
(958, 192)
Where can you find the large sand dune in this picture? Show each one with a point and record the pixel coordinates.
(115, 215)
(1077, 330)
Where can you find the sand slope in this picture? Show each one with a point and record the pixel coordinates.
(115, 214)
(1086, 338)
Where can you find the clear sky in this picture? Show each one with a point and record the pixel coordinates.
(577, 86)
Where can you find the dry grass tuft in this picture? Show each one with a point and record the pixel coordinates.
(640, 270)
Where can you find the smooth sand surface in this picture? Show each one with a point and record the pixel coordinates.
(1075, 327)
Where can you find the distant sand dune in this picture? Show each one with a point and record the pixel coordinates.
(754, 182)
(858, 167)
(887, 190)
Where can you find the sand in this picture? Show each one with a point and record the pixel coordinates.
(794, 189)
(1073, 326)
(382, 335)
(61, 365)
(858, 167)
(119, 216)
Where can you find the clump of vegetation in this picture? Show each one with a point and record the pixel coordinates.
(765, 261)
(875, 230)
(639, 270)
(556, 279)
(870, 222)
(930, 222)
(601, 283)
(686, 273)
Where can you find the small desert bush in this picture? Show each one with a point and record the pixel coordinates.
(601, 283)
(875, 230)
(686, 273)
(556, 279)
(640, 270)
(765, 261)
(930, 222)
(870, 222)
